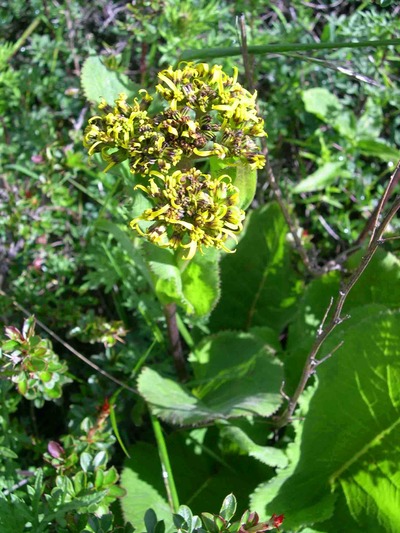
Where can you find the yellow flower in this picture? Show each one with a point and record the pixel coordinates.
(207, 113)
(191, 211)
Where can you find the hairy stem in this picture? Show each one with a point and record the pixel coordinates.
(175, 341)
(167, 474)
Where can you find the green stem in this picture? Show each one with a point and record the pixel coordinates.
(165, 465)
(279, 48)
(30, 29)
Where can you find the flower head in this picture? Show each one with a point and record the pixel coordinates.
(191, 210)
(206, 113)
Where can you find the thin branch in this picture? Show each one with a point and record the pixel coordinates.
(311, 266)
(247, 63)
(374, 218)
(175, 341)
(337, 318)
(71, 349)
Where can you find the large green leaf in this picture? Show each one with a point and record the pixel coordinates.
(235, 376)
(99, 82)
(259, 286)
(201, 475)
(268, 455)
(195, 289)
(141, 478)
(378, 285)
(351, 434)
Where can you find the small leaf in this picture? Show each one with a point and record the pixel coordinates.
(321, 178)
(228, 508)
(100, 459)
(6, 452)
(150, 520)
(209, 523)
(378, 148)
(327, 107)
(185, 512)
(85, 461)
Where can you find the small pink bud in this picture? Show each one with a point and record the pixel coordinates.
(37, 158)
(55, 449)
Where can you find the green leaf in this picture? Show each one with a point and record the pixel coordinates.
(14, 514)
(6, 452)
(200, 281)
(237, 376)
(266, 454)
(350, 437)
(259, 286)
(377, 290)
(209, 523)
(327, 107)
(85, 461)
(228, 508)
(10, 345)
(185, 513)
(321, 178)
(122, 237)
(371, 121)
(99, 82)
(246, 181)
(378, 148)
(242, 176)
(166, 276)
(170, 400)
(150, 520)
(141, 478)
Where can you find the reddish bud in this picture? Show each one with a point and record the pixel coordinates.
(37, 158)
(55, 449)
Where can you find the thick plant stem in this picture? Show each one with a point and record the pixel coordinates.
(165, 465)
(175, 341)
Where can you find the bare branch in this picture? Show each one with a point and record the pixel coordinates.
(337, 317)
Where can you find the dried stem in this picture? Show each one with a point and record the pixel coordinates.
(311, 266)
(247, 63)
(175, 341)
(373, 220)
(337, 317)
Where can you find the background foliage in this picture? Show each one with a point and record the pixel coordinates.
(78, 450)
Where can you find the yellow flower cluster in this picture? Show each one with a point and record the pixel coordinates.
(206, 113)
(191, 210)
